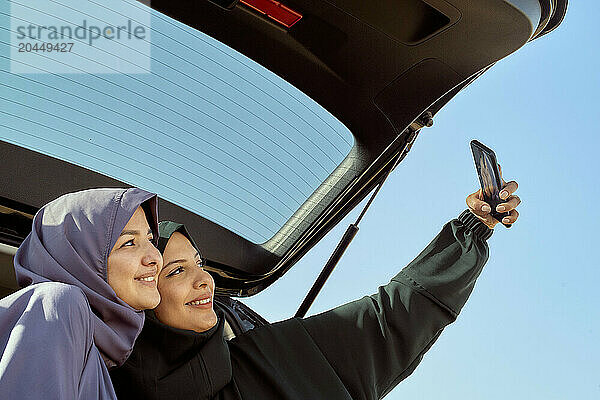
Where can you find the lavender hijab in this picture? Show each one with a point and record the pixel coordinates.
(52, 335)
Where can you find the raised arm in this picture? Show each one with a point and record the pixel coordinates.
(375, 342)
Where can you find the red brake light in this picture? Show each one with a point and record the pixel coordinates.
(274, 10)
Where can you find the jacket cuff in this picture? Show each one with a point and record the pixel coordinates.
(475, 225)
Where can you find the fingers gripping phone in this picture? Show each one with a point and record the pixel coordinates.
(489, 178)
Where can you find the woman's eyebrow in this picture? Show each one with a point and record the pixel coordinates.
(129, 233)
(181, 260)
(134, 232)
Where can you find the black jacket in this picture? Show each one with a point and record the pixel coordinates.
(360, 350)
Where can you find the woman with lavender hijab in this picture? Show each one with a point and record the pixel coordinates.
(87, 269)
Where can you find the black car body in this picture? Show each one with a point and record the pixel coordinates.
(382, 69)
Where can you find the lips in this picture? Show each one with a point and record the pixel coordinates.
(148, 278)
(204, 301)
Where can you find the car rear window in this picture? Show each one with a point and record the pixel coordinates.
(200, 124)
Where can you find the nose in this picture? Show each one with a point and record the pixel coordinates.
(203, 280)
(152, 257)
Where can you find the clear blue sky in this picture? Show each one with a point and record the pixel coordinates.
(531, 328)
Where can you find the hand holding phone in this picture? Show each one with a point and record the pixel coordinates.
(489, 178)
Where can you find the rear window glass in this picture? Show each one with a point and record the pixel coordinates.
(198, 123)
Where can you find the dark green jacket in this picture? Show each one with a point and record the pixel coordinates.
(360, 350)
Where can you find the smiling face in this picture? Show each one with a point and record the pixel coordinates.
(186, 288)
(134, 264)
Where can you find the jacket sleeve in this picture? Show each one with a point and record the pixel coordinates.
(46, 349)
(377, 341)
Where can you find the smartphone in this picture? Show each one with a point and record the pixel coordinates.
(489, 178)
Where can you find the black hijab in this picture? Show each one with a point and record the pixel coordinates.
(198, 364)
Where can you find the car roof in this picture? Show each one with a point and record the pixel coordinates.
(376, 68)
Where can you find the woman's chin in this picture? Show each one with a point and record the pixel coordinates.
(207, 321)
(148, 302)
(155, 302)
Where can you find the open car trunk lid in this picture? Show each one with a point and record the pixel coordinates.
(377, 67)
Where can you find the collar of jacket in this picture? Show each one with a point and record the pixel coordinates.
(206, 350)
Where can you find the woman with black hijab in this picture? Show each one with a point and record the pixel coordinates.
(87, 269)
(360, 350)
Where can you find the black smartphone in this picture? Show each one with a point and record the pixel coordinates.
(489, 178)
